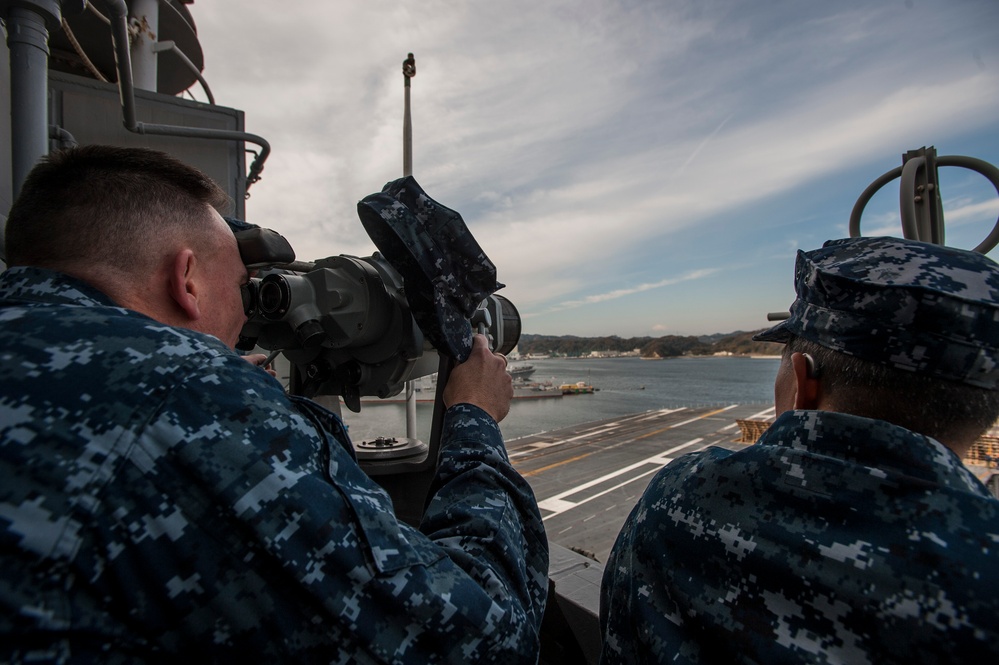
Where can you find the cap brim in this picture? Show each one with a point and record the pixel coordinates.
(779, 333)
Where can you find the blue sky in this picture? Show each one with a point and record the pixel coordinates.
(633, 168)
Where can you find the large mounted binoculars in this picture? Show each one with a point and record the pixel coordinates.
(346, 325)
(356, 326)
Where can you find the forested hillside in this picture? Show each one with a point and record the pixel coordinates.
(669, 346)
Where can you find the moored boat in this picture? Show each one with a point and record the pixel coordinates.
(520, 371)
(578, 388)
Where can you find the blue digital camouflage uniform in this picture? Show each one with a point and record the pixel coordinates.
(163, 498)
(834, 539)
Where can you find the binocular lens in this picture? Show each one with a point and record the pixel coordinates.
(511, 327)
(274, 296)
(271, 296)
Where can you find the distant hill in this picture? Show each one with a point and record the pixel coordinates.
(711, 339)
(742, 344)
(669, 346)
(572, 346)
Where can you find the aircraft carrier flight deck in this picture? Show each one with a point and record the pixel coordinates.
(588, 477)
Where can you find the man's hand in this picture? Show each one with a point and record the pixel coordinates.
(481, 380)
(260, 360)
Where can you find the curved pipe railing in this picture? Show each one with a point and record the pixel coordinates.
(123, 63)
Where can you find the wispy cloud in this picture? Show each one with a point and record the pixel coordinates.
(965, 212)
(620, 293)
(703, 143)
(584, 140)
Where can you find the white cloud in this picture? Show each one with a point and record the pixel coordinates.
(574, 136)
(971, 211)
(620, 293)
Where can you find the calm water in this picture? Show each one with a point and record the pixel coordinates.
(626, 386)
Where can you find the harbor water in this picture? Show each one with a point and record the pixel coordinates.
(624, 386)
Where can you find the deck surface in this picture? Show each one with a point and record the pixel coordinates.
(588, 477)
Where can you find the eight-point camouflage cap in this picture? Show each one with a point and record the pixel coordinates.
(446, 273)
(902, 303)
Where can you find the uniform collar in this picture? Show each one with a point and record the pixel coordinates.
(49, 286)
(886, 448)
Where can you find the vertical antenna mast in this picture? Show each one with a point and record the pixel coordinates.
(408, 72)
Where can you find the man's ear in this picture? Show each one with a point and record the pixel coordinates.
(808, 389)
(182, 285)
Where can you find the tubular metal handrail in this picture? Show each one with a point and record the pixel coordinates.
(170, 45)
(119, 35)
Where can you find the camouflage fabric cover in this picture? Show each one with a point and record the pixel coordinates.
(833, 539)
(906, 304)
(446, 273)
(163, 499)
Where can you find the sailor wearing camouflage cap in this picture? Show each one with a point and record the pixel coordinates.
(911, 305)
(851, 531)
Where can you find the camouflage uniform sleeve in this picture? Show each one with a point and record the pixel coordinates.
(485, 516)
(245, 523)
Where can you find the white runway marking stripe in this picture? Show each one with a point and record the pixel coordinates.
(558, 503)
(692, 420)
(659, 413)
(548, 444)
